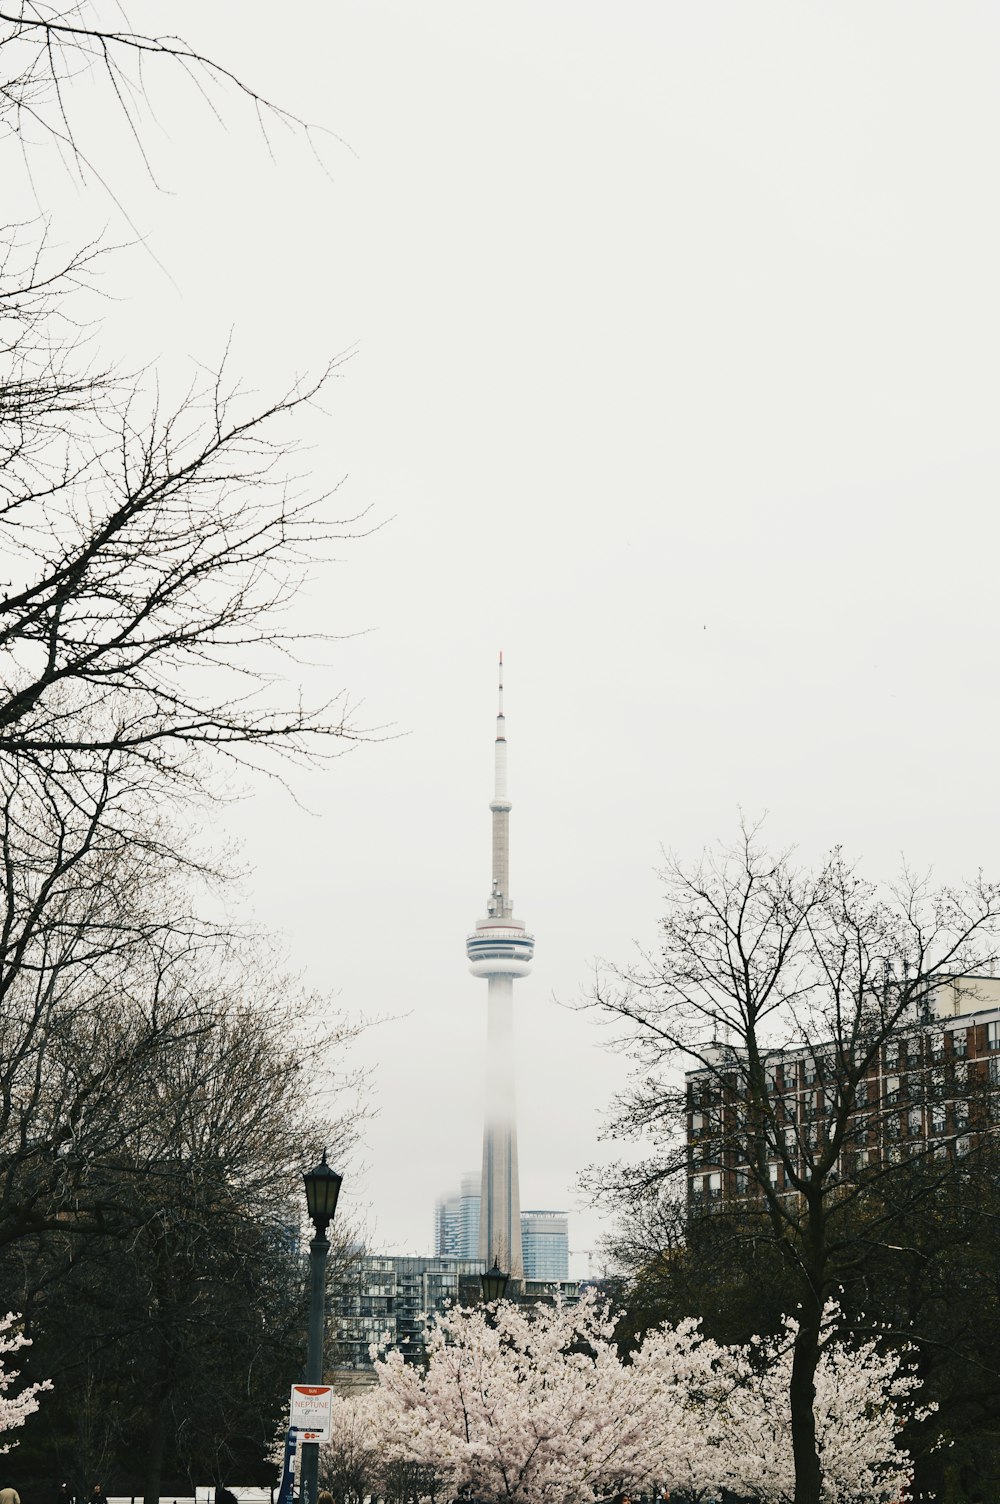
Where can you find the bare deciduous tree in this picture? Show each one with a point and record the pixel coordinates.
(174, 1259)
(156, 1094)
(150, 556)
(149, 579)
(759, 958)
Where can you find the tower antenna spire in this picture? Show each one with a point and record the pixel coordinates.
(500, 851)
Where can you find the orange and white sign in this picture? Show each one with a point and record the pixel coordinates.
(312, 1411)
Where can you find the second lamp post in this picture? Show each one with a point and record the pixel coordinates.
(322, 1190)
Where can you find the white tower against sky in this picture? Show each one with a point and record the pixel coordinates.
(500, 949)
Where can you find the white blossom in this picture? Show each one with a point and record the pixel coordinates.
(522, 1404)
(534, 1405)
(863, 1396)
(14, 1408)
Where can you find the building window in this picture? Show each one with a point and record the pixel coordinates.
(939, 1121)
(809, 1071)
(961, 1146)
(937, 1045)
(933, 1084)
(959, 1044)
(993, 1035)
(915, 1122)
(995, 1070)
(706, 1187)
(892, 1088)
(892, 1055)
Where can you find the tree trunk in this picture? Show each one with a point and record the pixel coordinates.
(801, 1394)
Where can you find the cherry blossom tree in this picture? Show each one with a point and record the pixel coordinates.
(863, 1397)
(350, 1463)
(14, 1408)
(689, 1390)
(536, 1405)
(721, 1416)
(517, 1403)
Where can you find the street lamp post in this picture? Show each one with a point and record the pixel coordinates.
(322, 1189)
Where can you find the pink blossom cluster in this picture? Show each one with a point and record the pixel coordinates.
(14, 1408)
(534, 1405)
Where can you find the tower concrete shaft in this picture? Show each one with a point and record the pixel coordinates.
(500, 1203)
(500, 949)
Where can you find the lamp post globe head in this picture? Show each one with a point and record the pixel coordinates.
(322, 1189)
(494, 1283)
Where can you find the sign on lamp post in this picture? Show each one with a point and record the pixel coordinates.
(311, 1411)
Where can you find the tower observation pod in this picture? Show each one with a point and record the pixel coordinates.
(500, 949)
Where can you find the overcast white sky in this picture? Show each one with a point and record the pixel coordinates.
(677, 380)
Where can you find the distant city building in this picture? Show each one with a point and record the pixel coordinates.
(389, 1301)
(544, 1234)
(456, 1221)
(446, 1226)
(545, 1245)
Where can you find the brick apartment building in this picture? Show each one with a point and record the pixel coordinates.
(928, 1094)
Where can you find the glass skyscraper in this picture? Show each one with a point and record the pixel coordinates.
(456, 1221)
(544, 1235)
(545, 1245)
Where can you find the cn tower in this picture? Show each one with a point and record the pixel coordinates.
(500, 949)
